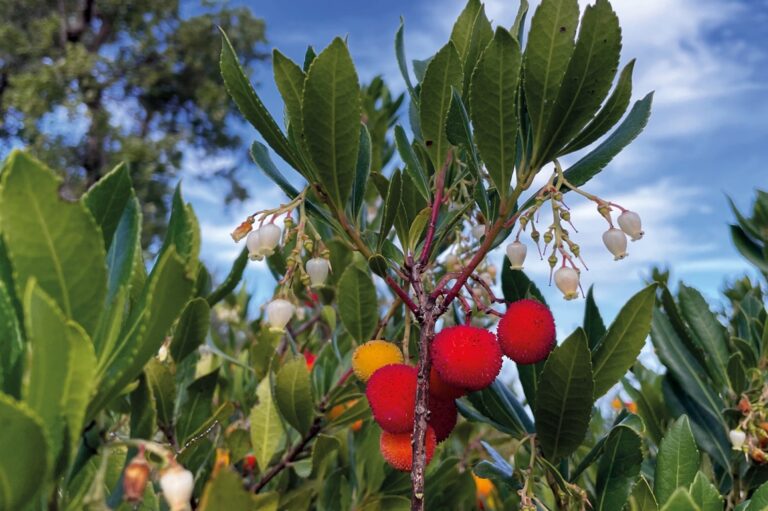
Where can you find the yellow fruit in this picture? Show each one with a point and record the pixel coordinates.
(484, 486)
(374, 355)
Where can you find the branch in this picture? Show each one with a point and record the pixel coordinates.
(436, 203)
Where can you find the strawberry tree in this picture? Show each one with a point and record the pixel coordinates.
(491, 122)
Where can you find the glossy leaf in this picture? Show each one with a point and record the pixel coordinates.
(357, 303)
(623, 340)
(707, 332)
(197, 407)
(443, 72)
(11, 340)
(759, 499)
(107, 199)
(643, 498)
(564, 398)
(233, 278)
(362, 171)
(331, 113)
(412, 164)
(493, 100)
(289, 78)
(401, 60)
(681, 500)
(618, 468)
(183, 232)
(392, 205)
(51, 240)
(191, 330)
(677, 461)
(704, 493)
(293, 394)
(266, 428)
(225, 491)
(593, 321)
(161, 382)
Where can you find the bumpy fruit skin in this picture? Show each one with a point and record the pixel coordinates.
(527, 332)
(373, 355)
(442, 390)
(443, 416)
(391, 393)
(466, 356)
(397, 449)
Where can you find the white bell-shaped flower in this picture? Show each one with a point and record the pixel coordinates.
(252, 243)
(177, 484)
(269, 238)
(516, 252)
(317, 269)
(567, 281)
(616, 242)
(630, 223)
(279, 313)
(737, 438)
(478, 231)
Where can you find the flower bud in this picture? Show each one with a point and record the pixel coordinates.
(737, 438)
(135, 478)
(177, 484)
(516, 252)
(616, 243)
(565, 215)
(252, 243)
(317, 269)
(630, 223)
(269, 238)
(547, 237)
(478, 231)
(279, 313)
(567, 281)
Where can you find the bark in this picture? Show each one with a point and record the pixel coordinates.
(421, 413)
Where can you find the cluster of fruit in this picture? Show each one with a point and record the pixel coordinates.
(751, 434)
(464, 359)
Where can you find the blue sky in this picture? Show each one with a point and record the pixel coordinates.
(707, 138)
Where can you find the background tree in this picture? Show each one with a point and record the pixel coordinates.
(89, 83)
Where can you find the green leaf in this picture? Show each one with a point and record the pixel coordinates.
(593, 321)
(55, 241)
(519, 24)
(412, 164)
(611, 112)
(107, 199)
(362, 171)
(643, 497)
(623, 340)
(289, 78)
(443, 72)
(547, 54)
(596, 160)
(707, 332)
(357, 303)
(681, 500)
(461, 34)
(331, 110)
(167, 290)
(392, 205)
(80, 383)
(240, 89)
(163, 386)
(125, 247)
(266, 428)
(183, 232)
(401, 60)
(324, 446)
(565, 396)
(192, 329)
(588, 78)
(11, 341)
(24, 454)
(618, 468)
(233, 278)
(758, 501)
(197, 407)
(470, 35)
(493, 101)
(704, 493)
(143, 415)
(515, 285)
(749, 249)
(225, 491)
(293, 394)
(677, 461)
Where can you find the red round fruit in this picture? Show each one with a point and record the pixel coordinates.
(398, 451)
(443, 416)
(527, 332)
(466, 356)
(442, 390)
(391, 393)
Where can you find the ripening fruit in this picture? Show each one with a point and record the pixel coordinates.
(630, 223)
(391, 393)
(527, 332)
(483, 486)
(177, 484)
(135, 477)
(466, 356)
(442, 417)
(567, 281)
(441, 389)
(516, 252)
(372, 355)
(279, 313)
(616, 242)
(398, 451)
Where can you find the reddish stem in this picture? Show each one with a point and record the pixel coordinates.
(436, 203)
(400, 292)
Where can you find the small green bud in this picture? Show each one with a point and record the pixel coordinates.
(547, 237)
(552, 259)
(565, 215)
